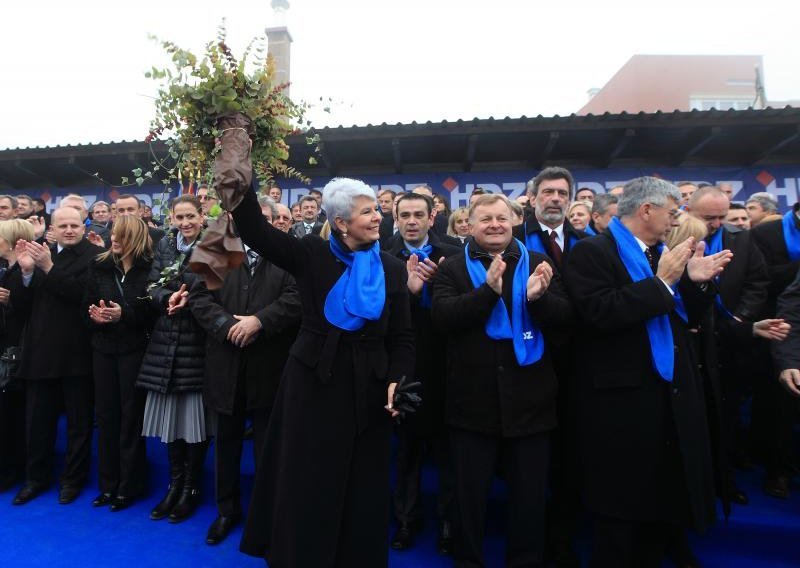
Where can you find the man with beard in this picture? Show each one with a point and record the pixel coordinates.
(644, 435)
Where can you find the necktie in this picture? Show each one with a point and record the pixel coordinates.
(554, 249)
(252, 261)
(652, 257)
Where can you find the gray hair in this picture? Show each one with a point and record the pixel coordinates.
(602, 201)
(643, 190)
(12, 199)
(339, 194)
(267, 201)
(765, 200)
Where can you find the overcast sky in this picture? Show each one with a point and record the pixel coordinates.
(73, 72)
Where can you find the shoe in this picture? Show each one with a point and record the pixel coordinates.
(404, 536)
(103, 499)
(777, 487)
(220, 528)
(120, 503)
(27, 492)
(186, 505)
(249, 432)
(737, 496)
(67, 494)
(445, 542)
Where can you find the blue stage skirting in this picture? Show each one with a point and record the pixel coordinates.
(43, 533)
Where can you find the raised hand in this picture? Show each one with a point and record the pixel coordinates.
(95, 239)
(704, 268)
(177, 300)
(24, 258)
(672, 262)
(38, 226)
(539, 281)
(494, 276)
(415, 281)
(40, 255)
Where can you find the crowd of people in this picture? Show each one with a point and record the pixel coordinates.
(592, 350)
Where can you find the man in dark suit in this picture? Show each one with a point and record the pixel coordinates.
(546, 230)
(422, 251)
(250, 322)
(729, 344)
(501, 393)
(63, 376)
(774, 411)
(309, 210)
(644, 435)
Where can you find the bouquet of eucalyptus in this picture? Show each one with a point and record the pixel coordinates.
(229, 118)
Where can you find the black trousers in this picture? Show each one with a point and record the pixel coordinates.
(525, 463)
(12, 435)
(228, 450)
(619, 543)
(410, 454)
(119, 410)
(44, 400)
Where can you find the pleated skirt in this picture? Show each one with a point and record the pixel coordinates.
(176, 416)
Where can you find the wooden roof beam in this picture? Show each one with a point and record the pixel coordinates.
(624, 138)
(697, 142)
(472, 147)
(786, 137)
(397, 156)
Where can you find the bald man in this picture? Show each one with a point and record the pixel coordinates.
(56, 362)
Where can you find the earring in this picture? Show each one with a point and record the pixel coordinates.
(344, 235)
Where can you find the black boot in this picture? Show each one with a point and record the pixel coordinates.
(190, 497)
(177, 458)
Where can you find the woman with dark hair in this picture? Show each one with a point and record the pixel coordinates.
(173, 366)
(321, 492)
(441, 206)
(14, 305)
(120, 318)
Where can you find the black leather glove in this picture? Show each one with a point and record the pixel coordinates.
(406, 400)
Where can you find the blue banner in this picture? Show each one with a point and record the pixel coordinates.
(780, 181)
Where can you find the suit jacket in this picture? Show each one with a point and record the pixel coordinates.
(430, 345)
(298, 229)
(532, 226)
(644, 441)
(782, 271)
(56, 319)
(487, 390)
(271, 295)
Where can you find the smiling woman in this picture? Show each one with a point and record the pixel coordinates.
(328, 441)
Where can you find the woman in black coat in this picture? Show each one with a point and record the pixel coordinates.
(173, 364)
(14, 307)
(119, 316)
(321, 493)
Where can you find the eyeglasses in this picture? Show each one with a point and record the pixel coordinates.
(674, 213)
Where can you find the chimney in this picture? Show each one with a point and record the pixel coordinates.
(279, 41)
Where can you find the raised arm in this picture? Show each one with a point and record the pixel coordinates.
(278, 247)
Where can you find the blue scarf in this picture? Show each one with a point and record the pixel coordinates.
(422, 254)
(713, 246)
(589, 231)
(659, 330)
(791, 234)
(360, 292)
(535, 241)
(527, 339)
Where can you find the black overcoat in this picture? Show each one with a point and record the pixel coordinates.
(782, 270)
(645, 441)
(787, 352)
(430, 344)
(271, 295)
(321, 493)
(487, 390)
(56, 317)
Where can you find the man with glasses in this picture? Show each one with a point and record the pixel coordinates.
(208, 198)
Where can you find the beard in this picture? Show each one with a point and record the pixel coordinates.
(551, 217)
